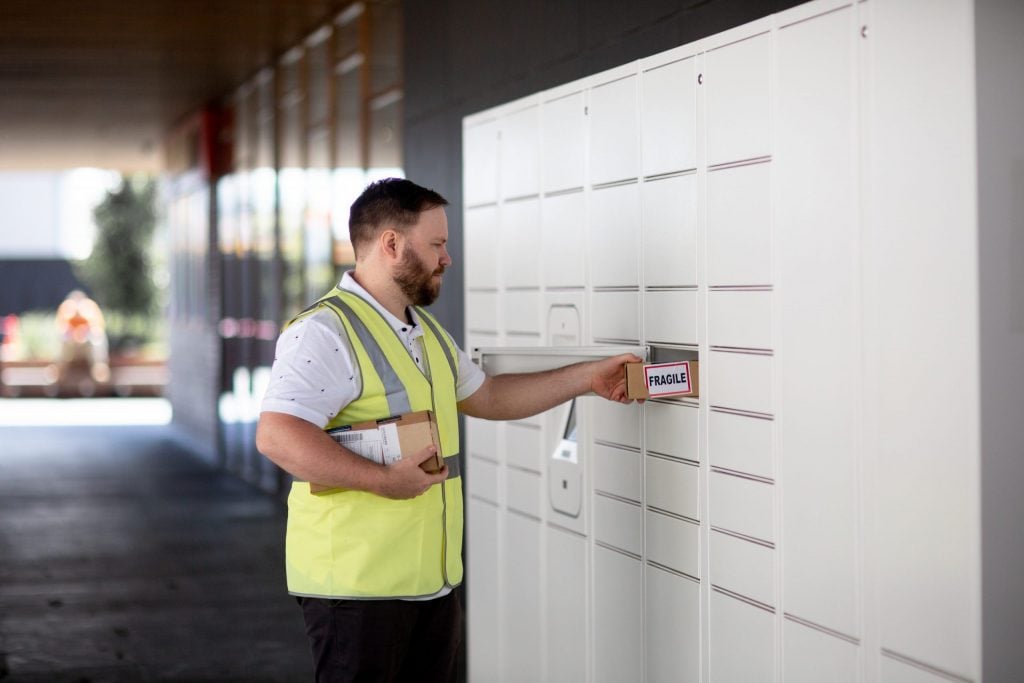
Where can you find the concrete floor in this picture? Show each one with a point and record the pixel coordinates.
(123, 557)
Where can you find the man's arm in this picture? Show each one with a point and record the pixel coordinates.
(310, 454)
(515, 396)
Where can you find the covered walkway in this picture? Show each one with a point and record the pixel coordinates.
(124, 557)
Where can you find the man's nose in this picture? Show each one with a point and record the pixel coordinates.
(446, 259)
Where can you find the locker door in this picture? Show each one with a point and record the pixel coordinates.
(563, 239)
(482, 591)
(672, 613)
(522, 610)
(566, 606)
(810, 656)
(736, 88)
(615, 236)
(480, 164)
(481, 248)
(742, 641)
(668, 105)
(614, 133)
(669, 216)
(520, 235)
(564, 138)
(739, 232)
(818, 247)
(520, 154)
(618, 618)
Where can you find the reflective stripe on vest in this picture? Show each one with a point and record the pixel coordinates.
(354, 544)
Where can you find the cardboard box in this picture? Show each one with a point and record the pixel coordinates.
(653, 380)
(386, 440)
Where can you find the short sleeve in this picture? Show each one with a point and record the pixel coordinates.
(313, 376)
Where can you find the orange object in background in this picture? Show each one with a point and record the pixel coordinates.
(83, 359)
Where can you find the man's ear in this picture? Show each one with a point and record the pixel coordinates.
(390, 243)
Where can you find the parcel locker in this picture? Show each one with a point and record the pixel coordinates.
(770, 202)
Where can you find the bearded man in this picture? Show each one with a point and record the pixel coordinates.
(374, 560)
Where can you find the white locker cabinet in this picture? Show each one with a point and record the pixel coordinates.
(672, 615)
(482, 479)
(521, 601)
(618, 620)
(740, 319)
(567, 590)
(617, 471)
(742, 567)
(481, 255)
(563, 240)
(520, 235)
(670, 317)
(563, 134)
(618, 523)
(520, 154)
(523, 491)
(673, 486)
(613, 239)
(741, 443)
(483, 591)
(742, 641)
(741, 505)
(812, 656)
(673, 543)
(523, 447)
(736, 90)
(668, 209)
(615, 423)
(482, 312)
(521, 312)
(480, 164)
(818, 277)
(671, 430)
(739, 232)
(741, 381)
(668, 115)
(615, 316)
(614, 138)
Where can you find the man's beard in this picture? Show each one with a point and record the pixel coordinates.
(417, 280)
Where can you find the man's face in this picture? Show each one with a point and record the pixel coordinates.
(424, 257)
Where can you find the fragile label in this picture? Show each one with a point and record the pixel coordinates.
(666, 379)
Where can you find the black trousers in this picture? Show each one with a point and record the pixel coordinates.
(378, 641)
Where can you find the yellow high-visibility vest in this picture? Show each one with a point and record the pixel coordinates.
(354, 544)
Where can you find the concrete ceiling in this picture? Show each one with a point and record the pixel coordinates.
(99, 82)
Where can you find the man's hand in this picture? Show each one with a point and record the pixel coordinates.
(405, 479)
(608, 378)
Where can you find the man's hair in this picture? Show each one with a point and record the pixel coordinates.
(392, 202)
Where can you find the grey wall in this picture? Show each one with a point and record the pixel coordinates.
(462, 56)
(1000, 61)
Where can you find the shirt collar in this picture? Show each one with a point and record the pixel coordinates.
(349, 284)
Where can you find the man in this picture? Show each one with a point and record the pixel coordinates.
(374, 560)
